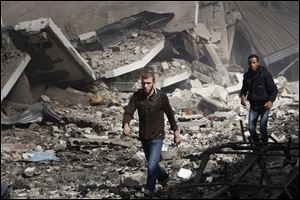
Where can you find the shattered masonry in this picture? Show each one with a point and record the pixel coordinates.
(62, 103)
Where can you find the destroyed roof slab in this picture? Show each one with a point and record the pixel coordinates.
(68, 59)
(132, 54)
(137, 64)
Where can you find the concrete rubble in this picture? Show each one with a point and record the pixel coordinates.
(114, 61)
(73, 147)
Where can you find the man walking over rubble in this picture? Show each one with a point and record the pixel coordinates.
(259, 88)
(151, 104)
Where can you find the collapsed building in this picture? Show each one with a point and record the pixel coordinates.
(87, 80)
(35, 56)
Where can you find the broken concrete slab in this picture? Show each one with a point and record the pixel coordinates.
(20, 93)
(14, 71)
(215, 92)
(209, 106)
(13, 63)
(236, 88)
(135, 65)
(178, 70)
(196, 83)
(125, 57)
(213, 54)
(57, 61)
(280, 81)
(175, 79)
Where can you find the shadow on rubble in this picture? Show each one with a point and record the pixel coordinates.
(265, 172)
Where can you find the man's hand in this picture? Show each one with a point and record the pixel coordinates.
(268, 105)
(126, 129)
(243, 100)
(176, 137)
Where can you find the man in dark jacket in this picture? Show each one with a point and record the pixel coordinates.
(259, 88)
(151, 105)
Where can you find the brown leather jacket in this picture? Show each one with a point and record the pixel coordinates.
(151, 114)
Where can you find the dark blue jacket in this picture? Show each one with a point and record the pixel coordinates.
(259, 87)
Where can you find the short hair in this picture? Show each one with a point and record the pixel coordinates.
(253, 56)
(148, 74)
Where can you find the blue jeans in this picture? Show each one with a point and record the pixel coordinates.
(252, 121)
(152, 150)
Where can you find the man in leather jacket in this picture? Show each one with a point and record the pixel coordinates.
(260, 90)
(151, 105)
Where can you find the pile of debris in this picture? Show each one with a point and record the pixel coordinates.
(132, 50)
(62, 106)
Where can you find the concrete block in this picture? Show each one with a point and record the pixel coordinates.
(196, 83)
(202, 31)
(220, 93)
(176, 63)
(184, 173)
(165, 65)
(92, 142)
(88, 37)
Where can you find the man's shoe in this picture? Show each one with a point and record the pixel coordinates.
(148, 194)
(165, 182)
(164, 191)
